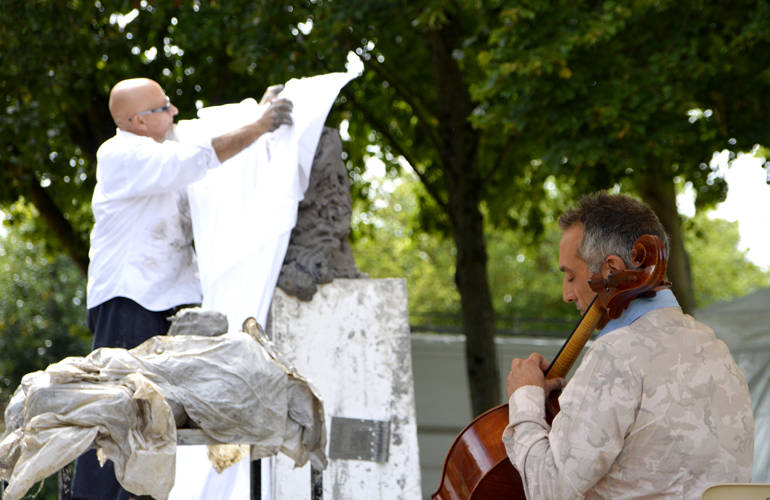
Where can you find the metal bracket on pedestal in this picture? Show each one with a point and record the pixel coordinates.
(358, 439)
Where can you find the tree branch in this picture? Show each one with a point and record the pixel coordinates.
(500, 159)
(75, 247)
(409, 97)
(396, 145)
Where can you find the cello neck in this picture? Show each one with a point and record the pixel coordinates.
(570, 351)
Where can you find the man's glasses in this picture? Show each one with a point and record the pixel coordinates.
(156, 110)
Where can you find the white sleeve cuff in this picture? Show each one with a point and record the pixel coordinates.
(527, 403)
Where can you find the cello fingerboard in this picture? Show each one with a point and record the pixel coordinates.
(571, 350)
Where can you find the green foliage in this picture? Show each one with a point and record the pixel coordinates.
(42, 308)
(389, 244)
(593, 92)
(720, 271)
(608, 87)
(523, 269)
(524, 275)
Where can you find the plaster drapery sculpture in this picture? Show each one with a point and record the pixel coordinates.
(121, 402)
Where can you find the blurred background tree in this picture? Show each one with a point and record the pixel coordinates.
(42, 306)
(42, 311)
(524, 276)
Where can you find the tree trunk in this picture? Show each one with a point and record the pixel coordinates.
(458, 153)
(661, 197)
(72, 244)
(476, 303)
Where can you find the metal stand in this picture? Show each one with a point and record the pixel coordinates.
(256, 480)
(65, 481)
(316, 484)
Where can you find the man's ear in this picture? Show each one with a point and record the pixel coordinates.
(612, 263)
(136, 125)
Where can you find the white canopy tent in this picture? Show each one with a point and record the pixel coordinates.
(744, 325)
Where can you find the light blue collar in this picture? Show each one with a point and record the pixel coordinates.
(638, 308)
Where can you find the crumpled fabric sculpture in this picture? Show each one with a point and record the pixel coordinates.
(235, 387)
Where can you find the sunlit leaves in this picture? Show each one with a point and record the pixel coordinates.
(720, 270)
(523, 271)
(488, 101)
(42, 309)
(608, 85)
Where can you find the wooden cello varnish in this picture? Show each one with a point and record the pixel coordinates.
(477, 466)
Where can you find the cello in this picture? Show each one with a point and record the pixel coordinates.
(477, 466)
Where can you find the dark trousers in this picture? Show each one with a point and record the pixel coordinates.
(119, 322)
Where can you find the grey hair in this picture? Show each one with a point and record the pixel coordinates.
(611, 225)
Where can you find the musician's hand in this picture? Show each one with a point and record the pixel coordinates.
(531, 371)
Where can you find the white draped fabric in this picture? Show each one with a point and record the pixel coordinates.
(242, 214)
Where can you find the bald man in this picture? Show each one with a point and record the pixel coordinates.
(142, 264)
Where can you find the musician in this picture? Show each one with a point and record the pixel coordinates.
(656, 409)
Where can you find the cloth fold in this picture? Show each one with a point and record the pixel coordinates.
(243, 212)
(234, 387)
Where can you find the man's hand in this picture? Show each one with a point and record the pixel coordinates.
(271, 93)
(228, 145)
(279, 113)
(531, 371)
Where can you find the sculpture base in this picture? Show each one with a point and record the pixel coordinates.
(352, 342)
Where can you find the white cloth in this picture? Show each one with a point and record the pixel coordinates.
(657, 409)
(197, 479)
(242, 215)
(141, 243)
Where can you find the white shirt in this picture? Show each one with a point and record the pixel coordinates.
(141, 243)
(657, 409)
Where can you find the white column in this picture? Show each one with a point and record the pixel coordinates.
(352, 342)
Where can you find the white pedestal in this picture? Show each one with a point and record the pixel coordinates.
(352, 342)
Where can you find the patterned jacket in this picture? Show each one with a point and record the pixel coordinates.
(657, 409)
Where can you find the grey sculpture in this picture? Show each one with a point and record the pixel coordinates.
(318, 249)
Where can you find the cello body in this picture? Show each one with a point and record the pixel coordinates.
(477, 466)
